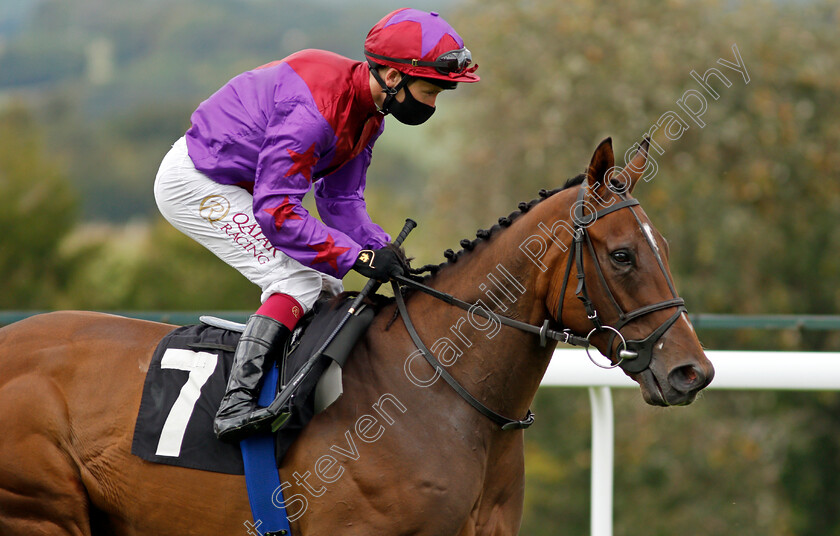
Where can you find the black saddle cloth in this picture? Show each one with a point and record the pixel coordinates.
(188, 374)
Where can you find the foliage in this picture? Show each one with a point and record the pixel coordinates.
(164, 57)
(149, 268)
(714, 468)
(39, 211)
(748, 203)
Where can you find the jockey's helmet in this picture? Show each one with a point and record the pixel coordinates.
(422, 45)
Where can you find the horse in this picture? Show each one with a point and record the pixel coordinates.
(400, 452)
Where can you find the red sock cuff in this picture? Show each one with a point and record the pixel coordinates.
(282, 308)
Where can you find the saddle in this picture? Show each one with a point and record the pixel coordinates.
(188, 374)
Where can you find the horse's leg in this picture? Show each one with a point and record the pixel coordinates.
(502, 518)
(41, 489)
(499, 510)
(496, 518)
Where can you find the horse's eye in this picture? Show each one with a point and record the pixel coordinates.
(622, 256)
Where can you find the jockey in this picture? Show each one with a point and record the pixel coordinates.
(235, 182)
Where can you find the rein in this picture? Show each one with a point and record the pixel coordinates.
(634, 355)
(503, 422)
(565, 336)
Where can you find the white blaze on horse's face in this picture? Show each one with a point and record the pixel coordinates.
(649, 233)
(687, 321)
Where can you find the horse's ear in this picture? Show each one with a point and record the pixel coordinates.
(634, 169)
(602, 161)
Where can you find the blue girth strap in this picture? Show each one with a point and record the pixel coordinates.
(261, 476)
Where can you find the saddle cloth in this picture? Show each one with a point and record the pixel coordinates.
(188, 374)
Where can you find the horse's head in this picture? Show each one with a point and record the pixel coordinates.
(616, 287)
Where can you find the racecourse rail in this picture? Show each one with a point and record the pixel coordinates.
(734, 370)
(748, 370)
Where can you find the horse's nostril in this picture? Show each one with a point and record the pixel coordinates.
(686, 378)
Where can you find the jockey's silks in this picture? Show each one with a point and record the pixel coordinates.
(277, 130)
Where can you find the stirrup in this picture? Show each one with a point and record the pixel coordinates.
(244, 430)
(276, 420)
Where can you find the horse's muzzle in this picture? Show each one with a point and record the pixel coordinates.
(678, 388)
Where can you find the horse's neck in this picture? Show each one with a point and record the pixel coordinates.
(500, 365)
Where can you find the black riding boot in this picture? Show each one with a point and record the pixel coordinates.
(260, 342)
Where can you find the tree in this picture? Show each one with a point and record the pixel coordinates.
(150, 267)
(744, 189)
(39, 211)
(746, 199)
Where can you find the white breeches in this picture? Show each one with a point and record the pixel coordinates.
(220, 217)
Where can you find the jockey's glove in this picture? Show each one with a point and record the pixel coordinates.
(381, 264)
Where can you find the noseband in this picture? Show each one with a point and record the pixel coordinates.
(633, 355)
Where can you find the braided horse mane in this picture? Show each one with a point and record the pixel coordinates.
(468, 245)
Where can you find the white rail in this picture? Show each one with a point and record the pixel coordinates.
(799, 371)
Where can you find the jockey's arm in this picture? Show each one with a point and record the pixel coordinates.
(284, 174)
(341, 203)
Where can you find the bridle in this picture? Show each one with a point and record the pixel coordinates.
(633, 355)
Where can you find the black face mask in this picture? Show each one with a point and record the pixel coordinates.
(410, 111)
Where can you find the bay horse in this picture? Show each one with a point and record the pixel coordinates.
(400, 452)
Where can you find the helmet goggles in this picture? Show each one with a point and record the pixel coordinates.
(452, 63)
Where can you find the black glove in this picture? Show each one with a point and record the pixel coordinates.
(380, 264)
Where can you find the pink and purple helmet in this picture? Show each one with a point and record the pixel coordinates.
(420, 44)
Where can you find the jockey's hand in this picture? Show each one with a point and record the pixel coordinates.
(380, 264)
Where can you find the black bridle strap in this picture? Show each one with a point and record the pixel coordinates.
(559, 316)
(642, 348)
(647, 309)
(598, 271)
(581, 222)
(543, 331)
(504, 422)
